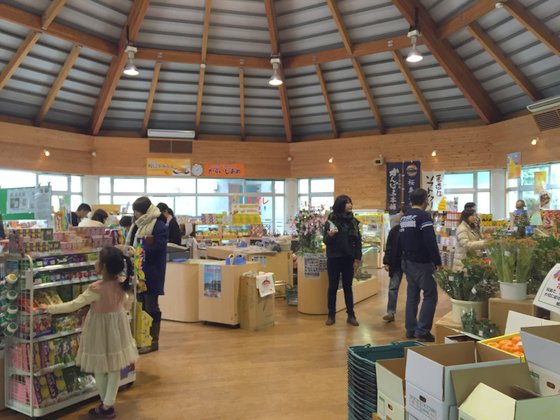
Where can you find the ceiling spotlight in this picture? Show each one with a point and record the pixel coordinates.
(46, 152)
(434, 153)
(130, 68)
(275, 79)
(331, 160)
(94, 153)
(535, 141)
(499, 5)
(414, 55)
(290, 158)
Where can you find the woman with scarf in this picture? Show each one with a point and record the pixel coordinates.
(148, 226)
(344, 254)
(469, 239)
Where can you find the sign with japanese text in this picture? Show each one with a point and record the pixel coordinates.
(411, 180)
(394, 186)
(168, 167)
(514, 165)
(548, 296)
(540, 181)
(313, 265)
(224, 170)
(433, 183)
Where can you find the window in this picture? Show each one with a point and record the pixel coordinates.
(194, 196)
(469, 187)
(524, 187)
(316, 192)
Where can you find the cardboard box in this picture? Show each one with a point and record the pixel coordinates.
(542, 346)
(255, 312)
(391, 389)
(458, 338)
(445, 326)
(498, 310)
(501, 392)
(429, 390)
(500, 338)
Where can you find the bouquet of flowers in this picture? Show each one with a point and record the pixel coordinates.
(512, 258)
(475, 283)
(308, 224)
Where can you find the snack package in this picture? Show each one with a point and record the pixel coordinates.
(60, 382)
(51, 384)
(65, 292)
(44, 393)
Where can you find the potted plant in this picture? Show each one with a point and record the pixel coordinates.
(513, 259)
(469, 288)
(308, 224)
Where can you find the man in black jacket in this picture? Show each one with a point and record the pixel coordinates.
(421, 258)
(392, 263)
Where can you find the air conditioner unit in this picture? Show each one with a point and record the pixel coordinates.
(171, 134)
(545, 104)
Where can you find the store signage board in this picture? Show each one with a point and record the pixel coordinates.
(433, 183)
(213, 281)
(313, 264)
(411, 179)
(224, 170)
(168, 167)
(394, 186)
(513, 165)
(26, 203)
(548, 296)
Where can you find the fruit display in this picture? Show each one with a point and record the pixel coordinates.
(510, 343)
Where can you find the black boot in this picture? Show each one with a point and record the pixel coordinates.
(154, 332)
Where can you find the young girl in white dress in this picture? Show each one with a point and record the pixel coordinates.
(106, 344)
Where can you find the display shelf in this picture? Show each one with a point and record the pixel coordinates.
(40, 412)
(47, 337)
(62, 283)
(63, 266)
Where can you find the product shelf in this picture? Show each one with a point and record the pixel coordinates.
(63, 266)
(39, 412)
(47, 337)
(61, 283)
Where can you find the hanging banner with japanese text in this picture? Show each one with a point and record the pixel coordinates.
(224, 170)
(411, 179)
(433, 183)
(513, 165)
(540, 181)
(394, 186)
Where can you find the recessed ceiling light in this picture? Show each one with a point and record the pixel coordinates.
(331, 160)
(434, 153)
(46, 152)
(535, 141)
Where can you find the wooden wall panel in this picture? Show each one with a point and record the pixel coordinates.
(459, 149)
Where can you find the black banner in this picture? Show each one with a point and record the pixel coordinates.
(394, 186)
(411, 182)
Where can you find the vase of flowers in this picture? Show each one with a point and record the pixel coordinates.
(513, 260)
(469, 288)
(308, 224)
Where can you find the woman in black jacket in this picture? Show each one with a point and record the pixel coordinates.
(344, 254)
(169, 219)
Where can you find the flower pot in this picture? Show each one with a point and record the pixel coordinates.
(513, 291)
(460, 306)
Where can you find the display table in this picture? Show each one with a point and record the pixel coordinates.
(280, 263)
(446, 326)
(218, 290)
(312, 292)
(180, 302)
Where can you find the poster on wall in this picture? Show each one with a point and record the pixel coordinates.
(224, 170)
(168, 167)
(514, 165)
(411, 180)
(394, 186)
(213, 281)
(20, 200)
(540, 181)
(433, 183)
(313, 264)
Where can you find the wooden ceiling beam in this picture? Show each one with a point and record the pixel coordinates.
(34, 22)
(356, 64)
(49, 100)
(52, 11)
(18, 57)
(327, 100)
(533, 25)
(466, 17)
(242, 101)
(504, 61)
(369, 96)
(135, 19)
(202, 72)
(151, 96)
(275, 49)
(407, 74)
(337, 17)
(451, 62)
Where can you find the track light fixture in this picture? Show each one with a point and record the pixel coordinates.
(414, 55)
(434, 153)
(130, 68)
(46, 152)
(331, 160)
(275, 79)
(534, 141)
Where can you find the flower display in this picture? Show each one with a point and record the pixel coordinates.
(512, 258)
(475, 283)
(308, 224)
